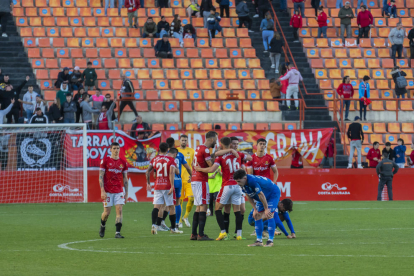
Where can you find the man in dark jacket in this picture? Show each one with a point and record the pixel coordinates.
(385, 173)
(63, 77)
(163, 48)
(150, 28)
(140, 125)
(395, 73)
(243, 12)
(388, 150)
(107, 103)
(205, 8)
(69, 110)
(356, 135)
(90, 76)
(39, 117)
(127, 93)
(13, 93)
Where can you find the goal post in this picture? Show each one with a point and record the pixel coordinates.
(40, 165)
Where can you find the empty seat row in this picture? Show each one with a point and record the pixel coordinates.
(378, 105)
(359, 63)
(374, 94)
(349, 42)
(374, 84)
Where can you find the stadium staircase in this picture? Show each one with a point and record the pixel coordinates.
(14, 60)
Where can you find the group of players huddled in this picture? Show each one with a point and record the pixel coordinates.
(243, 176)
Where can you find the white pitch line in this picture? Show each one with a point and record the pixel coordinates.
(354, 256)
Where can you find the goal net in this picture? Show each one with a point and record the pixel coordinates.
(38, 164)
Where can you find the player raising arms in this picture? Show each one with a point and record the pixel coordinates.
(186, 178)
(165, 170)
(179, 161)
(112, 178)
(267, 195)
(199, 184)
(230, 192)
(262, 162)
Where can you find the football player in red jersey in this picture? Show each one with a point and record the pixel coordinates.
(229, 193)
(165, 170)
(262, 162)
(199, 184)
(113, 178)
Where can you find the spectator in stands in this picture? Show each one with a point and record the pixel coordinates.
(5, 111)
(192, 31)
(205, 8)
(374, 155)
(389, 151)
(315, 5)
(360, 4)
(274, 89)
(275, 46)
(150, 28)
(14, 93)
(284, 84)
(163, 27)
(39, 117)
(297, 162)
(346, 15)
(263, 7)
(78, 99)
(294, 76)
(4, 150)
(76, 79)
(6, 10)
(61, 94)
(97, 101)
(177, 30)
(410, 159)
(63, 78)
(4, 79)
(356, 135)
(188, 34)
(38, 103)
(225, 6)
(121, 4)
(243, 13)
(109, 3)
(267, 29)
(107, 103)
(396, 38)
(163, 48)
(105, 117)
(395, 73)
(69, 110)
(213, 22)
(346, 92)
(329, 154)
(140, 129)
(390, 9)
(283, 6)
(364, 21)
(132, 8)
(299, 4)
(87, 111)
(296, 23)
(339, 4)
(127, 93)
(55, 112)
(90, 77)
(322, 22)
(411, 38)
(364, 95)
(193, 9)
(30, 96)
(399, 152)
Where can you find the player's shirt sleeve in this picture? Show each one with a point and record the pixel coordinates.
(171, 163)
(272, 162)
(242, 156)
(206, 154)
(183, 161)
(279, 224)
(218, 160)
(125, 169)
(288, 221)
(249, 164)
(254, 185)
(102, 167)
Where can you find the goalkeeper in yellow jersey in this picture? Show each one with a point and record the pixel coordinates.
(186, 189)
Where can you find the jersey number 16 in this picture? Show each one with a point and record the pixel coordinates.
(233, 166)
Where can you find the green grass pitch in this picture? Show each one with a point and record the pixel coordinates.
(333, 238)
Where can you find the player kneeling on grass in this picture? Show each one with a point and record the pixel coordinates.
(112, 178)
(267, 195)
(284, 207)
(165, 170)
(230, 192)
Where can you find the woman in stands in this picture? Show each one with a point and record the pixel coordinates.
(276, 45)
(284, 83)
(55, 113)
(267, 29)
(296, 23)
(395, 73)
(365, 21)
(176, 29)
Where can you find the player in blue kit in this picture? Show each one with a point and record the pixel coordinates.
(285, 204)
(267, 196)
(179, 161)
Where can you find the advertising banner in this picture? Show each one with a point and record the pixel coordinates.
(310, 143)
(137, 153)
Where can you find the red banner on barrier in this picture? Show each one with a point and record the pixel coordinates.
(137, 153)
(311, 143)
(298, 184)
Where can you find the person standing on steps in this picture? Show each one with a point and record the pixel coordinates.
(294, 77)
(364, 95)
(275, 50)
(346, 92)
(397, 73)
(243, 13)
(6, 10)
(385, 171)
(365, 22)
(263, 8)
(267, 29)
(322, 19)
(315, 5)
(346, 14)
(299, 4)
(283, 6)
(396, 38)
(224, 7)
(205, 8)
(296, 23)
(356, 135)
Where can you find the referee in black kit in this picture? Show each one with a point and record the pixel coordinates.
(385, 174)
